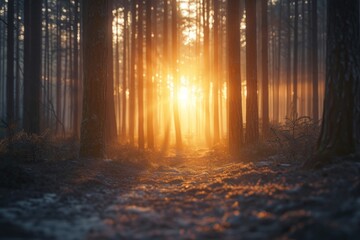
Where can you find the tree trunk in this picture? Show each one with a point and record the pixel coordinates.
(206, 10)
(32, 66)
(340, 119)
(175, 74)
(124, 82)
(140, 76)
(95, 56)
(75, 73)
(235, 121)
(314, 61)
(110, 131)
(58, 67)
(216, 78)
(265, 71)
(288, 71)
(149, 75)
(252, 121)
(132, 75)
(10, 70)
(295, 62)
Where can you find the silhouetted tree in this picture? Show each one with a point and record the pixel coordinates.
(10, 68)
(341, 107)
(252, 116)
(32, 65)
(149, 75)
(95, 17)
(235, 122)
(265, 71)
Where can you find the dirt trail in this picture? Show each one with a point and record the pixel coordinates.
(194, 197)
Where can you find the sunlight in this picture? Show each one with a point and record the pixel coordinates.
(183, 95)
(188, 10)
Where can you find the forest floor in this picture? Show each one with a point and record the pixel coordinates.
(198, 195)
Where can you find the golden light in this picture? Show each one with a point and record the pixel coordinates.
(183, 95)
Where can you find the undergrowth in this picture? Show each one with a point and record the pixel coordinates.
(27, 148)
(296, 138)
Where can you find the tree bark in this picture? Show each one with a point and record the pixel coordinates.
(235, 121)
(149, 75)
(175, 74)
(265, 70)
(10, 70)
(314, 39)
(340, 116)
(110, 133)
(140, 76)
(216, 78)
(32, 66)
(252, 118)
(95, 61)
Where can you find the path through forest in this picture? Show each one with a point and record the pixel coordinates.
(196, 196)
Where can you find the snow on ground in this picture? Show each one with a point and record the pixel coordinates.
(189, 197)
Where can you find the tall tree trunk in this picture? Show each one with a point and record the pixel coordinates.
(295, 62)
(279, 69)
(58, 67)
(265, 71)
(235, 124)
(216, 78)
(17, 66)
(314, 40)
(10, 70)
(175, 74)
(340, 116)
(132, 74)
(303, 99)
(124, 73)
(252, 119)
(32, 66)
(166, 93)
(140, 76)
(95, 20)
(149, 83)
(110, 121)
(288, 71)
(75, 73)
(206, 16)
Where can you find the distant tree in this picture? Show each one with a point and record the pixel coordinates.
(132, 74)
(252, 116)
(75, 73)
(95, 17)
(341, 107)
(216, 78)
(264, 65)
(288, 59)
(10, 68)
(165, 70)
(295, 61)
(140, 73)
(314, 59)
(174, 28)
(206, 82)
(110, 131)
(149, 75)
(125, 71)
(235, 121)
(32, 65)
(58, 66)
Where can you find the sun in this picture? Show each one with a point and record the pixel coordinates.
(183, 94)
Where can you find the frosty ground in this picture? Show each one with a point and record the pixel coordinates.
(197, 195)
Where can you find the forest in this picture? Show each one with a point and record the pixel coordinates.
(179, 119)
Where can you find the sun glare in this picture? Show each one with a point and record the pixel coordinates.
(183, 95)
